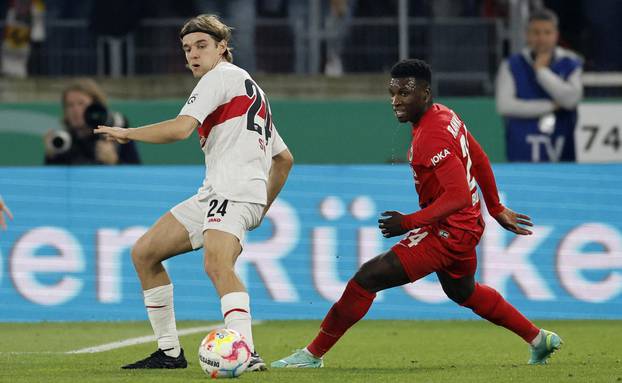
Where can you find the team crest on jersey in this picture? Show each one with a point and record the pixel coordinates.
(440, 156)
(192, 98)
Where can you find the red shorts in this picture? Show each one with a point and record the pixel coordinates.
(430, 249)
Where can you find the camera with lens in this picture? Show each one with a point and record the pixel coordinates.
(58, 142)
(95, 114)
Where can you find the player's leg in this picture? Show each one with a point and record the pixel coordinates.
(225, 228)
(165, 239)
(380, 273)
(490, 305)
(409, 260)
(221, 251)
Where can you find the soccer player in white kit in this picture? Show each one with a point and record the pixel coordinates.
(247, 165)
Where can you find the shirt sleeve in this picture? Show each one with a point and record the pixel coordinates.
(278, 145)
(438, 146)
(566, 93)
(206, 96)
(438, 154)
(508, 105)
(456, 195)
(482, 171)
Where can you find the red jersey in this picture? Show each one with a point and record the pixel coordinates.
(445, 162)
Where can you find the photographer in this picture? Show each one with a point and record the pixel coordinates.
(84, 107)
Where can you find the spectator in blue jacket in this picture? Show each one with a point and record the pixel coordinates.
(538, 91)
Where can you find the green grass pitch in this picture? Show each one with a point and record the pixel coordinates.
(372, 351)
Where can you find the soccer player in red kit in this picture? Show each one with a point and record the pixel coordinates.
(447, 164)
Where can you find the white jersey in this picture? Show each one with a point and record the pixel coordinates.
(236, 134)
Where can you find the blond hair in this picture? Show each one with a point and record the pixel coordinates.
(213, 26)
(86, 86)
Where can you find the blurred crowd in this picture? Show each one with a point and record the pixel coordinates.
(276, 36)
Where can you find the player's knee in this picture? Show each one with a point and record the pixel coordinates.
(215, 264)
(216, 271)
(140, 253)
(365, 277)
(458, 294)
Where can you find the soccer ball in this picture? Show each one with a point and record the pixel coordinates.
(224, 353)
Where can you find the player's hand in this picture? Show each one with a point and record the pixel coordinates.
(514, 222)
(392, 225)
(113, 133)
(4, 209)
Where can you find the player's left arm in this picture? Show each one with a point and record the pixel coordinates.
(456, 196)
(163, 132)
(482, 171)
(279, 171)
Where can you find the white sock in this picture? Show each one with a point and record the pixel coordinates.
(159, 303)
(537, 339)
(306, 351)
(237, 314)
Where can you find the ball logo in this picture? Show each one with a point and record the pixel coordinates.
(439, 156)
(192, 99)
(209, 362)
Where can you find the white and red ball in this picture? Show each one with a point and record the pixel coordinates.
(224, 353)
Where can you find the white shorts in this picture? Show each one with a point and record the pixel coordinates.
(198, 214)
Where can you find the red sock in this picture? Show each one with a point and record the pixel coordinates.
(490, 305)
(349, 309)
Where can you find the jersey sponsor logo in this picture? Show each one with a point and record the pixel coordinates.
(192, 98)
(440, 156)
(454, 125)
(214, 219)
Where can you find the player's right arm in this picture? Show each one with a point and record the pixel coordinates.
(456, 195)
(206, 96)
(163, 132)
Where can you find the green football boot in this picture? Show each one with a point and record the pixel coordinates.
(549, 343)
(299, 359)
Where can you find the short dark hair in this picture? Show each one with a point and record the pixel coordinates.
(544, 14)
(416, 68)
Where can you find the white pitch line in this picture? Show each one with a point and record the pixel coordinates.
(28, 352)
(143, 339)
